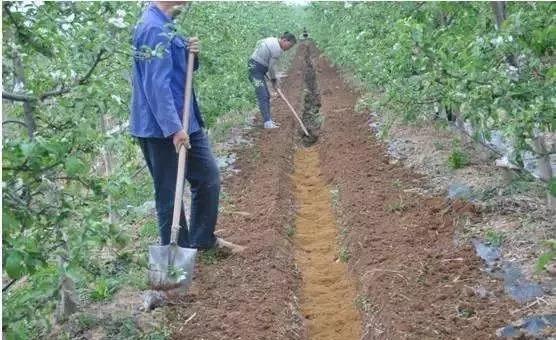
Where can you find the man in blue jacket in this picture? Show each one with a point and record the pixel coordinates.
(159, 69)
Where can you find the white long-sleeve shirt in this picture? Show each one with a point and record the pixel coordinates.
(267, 53)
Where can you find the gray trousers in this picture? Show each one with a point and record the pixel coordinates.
(257, 73)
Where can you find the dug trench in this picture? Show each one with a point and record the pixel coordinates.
(327, 292)
(338, 245)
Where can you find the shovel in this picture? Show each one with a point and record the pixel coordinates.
(171, 267)
(293, 111)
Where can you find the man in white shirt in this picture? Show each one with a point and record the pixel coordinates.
(264, 60)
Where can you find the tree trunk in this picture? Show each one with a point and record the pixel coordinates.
(545, 168)
(28, 107)
(501, 15)
(499, 8)
(107, 167)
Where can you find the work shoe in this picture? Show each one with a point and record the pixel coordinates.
(227, 247)
(270, 125)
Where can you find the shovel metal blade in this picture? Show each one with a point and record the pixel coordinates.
(171, 267)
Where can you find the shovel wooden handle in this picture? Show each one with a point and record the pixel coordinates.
(178, 197)
(293, 111)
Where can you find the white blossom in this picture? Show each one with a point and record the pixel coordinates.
(497, 41)
(118, 22)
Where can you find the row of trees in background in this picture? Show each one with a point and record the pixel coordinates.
(71, 174)
(490, 65)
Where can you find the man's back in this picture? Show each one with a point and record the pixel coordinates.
(267, 49)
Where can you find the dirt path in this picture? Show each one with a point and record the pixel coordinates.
(408, 279)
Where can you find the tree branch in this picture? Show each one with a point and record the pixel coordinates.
(14, 122)
(7, 286)
(81, 81)
(17, 97)
(21, 97)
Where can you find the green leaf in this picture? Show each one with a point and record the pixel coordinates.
(552, 187)
(27, 149)
(14, 265)
(9, 221)
(74, 166)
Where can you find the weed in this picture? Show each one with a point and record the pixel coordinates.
(103, 289)
(290, 230)
(465, 312)
(225, 198)
(397, 184)
(458, 159)
(344, 232)
(123, 328)
(256, 153)
(552, 187)
(176, 273)
(211, 256)
(397, 206)
(438, 145)
(135, 277)
(494, 237)
(344, 255)
(149, 229)
(159, 334)
(86, 321)
(546, 257)
(519, 186)
(363, 303)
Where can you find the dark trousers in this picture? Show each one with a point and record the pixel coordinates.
(203, 175)
(257, 72)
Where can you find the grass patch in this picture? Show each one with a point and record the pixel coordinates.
(123, 328)
(86, 321)
(290, 230)
(465, 312)
(363, 303)
(344, 255)
(136, 277)
(103, 289)
(211, 256)
(458, 159)
(546, 257)
(159, 334)
(149, 229)
(494, 237)
(552, 187)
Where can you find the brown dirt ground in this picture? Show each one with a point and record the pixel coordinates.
(412, 281)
